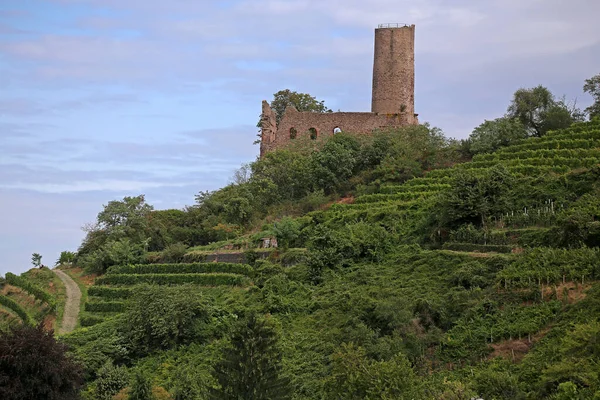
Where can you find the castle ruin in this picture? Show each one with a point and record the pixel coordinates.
(392, 104)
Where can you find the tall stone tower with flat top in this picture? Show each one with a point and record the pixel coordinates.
(394, 70)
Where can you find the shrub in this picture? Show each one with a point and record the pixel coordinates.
(172, 279)
(16, 307)
(33, 365)
(109, 292)
(105, 306)
(195, 268)
(31, 288)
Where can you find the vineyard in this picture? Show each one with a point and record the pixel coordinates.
(108, 296)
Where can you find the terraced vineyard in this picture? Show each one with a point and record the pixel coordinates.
(556, 153)
(108, 296)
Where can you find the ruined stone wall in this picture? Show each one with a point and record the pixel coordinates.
(394, 70)
(295, 125)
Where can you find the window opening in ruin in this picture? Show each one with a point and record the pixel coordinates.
(337, 129)
(293, 133)
(313, 133)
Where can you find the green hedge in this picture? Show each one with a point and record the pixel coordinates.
(482, 248)
(414, 188)
(193, 268)
(90, 320)
(173, 279)
(16, 307)
(31, 288)
(109, 293)
(402, 196)
(105, 306)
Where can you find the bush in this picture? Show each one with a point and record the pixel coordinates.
(195, 268)
(109, 292)
(482, 248)
(31, 288)
(160, 318)
(110, 380)
(16, 307)
(105, 306)
(33, 365)
(174, 253)
(173, 279)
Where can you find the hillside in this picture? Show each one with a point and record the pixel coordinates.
(403, 271)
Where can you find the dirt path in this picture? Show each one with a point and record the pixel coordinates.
(72, 305)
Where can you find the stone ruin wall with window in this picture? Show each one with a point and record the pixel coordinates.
(392, 101)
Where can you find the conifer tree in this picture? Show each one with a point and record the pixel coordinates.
(251, 367)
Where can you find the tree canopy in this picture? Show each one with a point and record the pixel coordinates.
(33, 365)
(592, 86)
(539, 111)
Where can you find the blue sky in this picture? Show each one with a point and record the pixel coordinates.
(101, 99)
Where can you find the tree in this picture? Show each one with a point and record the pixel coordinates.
(110, 380)
(33, 365)
(66, 258)
(492, 135)
(354, 376)
(141, 388)
(127, 217)
(36, 260)
(162, 317)
(540, 112)
(301, 101)
(592, 86)
(250, 368)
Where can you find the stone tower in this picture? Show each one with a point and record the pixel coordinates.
(394, 70)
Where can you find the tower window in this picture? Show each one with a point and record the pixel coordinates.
(313, 133)
(293, 133)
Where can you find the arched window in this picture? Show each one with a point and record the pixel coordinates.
(293, 133)
(337, 129)
(313, 133)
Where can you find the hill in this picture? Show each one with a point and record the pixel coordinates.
(403, 270)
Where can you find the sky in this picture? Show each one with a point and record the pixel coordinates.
(102, 99)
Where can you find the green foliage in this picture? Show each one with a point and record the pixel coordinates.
(16, 307)
(302, 102)
(141, 388)
(213, 279)
(493, 135)
(119, 252)
(105, 306)
(31, 288)
(482, 248)
(182, 268)
(579, 224)
(251, 367)
(592, 86)
(36, 260)
(475, 197)
(33, 365)
(287, 232)
(540, 112)
(354, 376)
(161, 318)
(66, 258)
(110, 380)
(109, 293)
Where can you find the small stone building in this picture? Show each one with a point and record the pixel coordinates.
(392, 100)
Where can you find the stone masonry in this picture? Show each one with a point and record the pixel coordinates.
(392, 101)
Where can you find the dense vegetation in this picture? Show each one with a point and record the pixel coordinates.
(409, 266)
